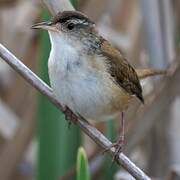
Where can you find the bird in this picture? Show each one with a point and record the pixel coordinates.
(87, 73)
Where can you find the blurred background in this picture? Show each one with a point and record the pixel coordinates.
(35, 142)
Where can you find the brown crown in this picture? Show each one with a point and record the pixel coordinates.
(68, 15)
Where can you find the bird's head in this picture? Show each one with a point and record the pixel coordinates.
(69, 24)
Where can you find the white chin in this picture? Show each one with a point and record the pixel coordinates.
(56, 37)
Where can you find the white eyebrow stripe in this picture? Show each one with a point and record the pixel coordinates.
(78, 21)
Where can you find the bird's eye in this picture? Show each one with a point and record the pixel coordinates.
(70, 26)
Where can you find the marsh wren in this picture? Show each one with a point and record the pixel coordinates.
(87, 73)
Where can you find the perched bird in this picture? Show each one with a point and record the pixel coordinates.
(89, 75)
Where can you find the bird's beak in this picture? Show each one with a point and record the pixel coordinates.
(45, 25)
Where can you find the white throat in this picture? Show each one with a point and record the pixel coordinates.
(63, 53)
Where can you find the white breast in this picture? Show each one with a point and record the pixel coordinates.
(77, 85)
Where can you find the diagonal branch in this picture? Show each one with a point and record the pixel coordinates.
(91, 131)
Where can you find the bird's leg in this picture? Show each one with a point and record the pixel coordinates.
(120, 142)
(70, 116)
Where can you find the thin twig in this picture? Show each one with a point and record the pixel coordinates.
(91, 131)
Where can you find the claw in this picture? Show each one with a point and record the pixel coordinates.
(70, 116)
(109, 148)
(69, 124)
(118, 149)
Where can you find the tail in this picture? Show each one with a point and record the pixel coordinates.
(144, 73)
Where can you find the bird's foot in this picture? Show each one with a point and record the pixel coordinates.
(70, 116)
(118, 148)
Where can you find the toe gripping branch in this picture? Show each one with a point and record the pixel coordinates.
(70, 116)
